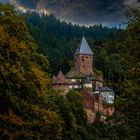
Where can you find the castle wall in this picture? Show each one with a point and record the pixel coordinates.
(83, 63)
(91, 115)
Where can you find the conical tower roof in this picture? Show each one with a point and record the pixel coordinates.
(83, 48)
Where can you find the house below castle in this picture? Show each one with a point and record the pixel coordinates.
(83, 78)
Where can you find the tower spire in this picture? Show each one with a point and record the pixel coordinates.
(83, 58)
(83, 48)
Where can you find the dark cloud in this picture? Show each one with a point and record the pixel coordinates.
(109, 12)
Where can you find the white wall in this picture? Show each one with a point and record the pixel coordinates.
(108, 96)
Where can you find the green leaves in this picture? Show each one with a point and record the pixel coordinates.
(23, 84)
(129, 88)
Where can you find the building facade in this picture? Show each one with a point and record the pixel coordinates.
(83, 78)
(83, 58)
(82, 75)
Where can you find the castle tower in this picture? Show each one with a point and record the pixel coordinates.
(83, 58)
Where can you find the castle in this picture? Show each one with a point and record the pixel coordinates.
(83, 77)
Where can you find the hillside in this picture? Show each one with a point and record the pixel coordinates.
(31, 110)
(59, 40)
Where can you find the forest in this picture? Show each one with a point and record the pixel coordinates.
(33, 47)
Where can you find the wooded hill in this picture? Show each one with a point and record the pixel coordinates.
(58, 41)
(30, 109)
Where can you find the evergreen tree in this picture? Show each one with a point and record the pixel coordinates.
(130, 91)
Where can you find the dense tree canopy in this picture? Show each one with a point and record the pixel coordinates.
(30, 109)
(60, 39)
(23, 84)
(130, 86)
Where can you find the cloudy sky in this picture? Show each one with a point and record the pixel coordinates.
(88, 12)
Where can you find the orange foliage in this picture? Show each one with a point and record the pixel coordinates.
(13, 118)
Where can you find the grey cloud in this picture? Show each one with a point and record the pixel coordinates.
(82, 11)
(130, 2)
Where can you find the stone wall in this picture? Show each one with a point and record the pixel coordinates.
(83, 63)
(91, 115)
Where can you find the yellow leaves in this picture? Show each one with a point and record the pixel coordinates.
(41, 60)
(3, 36)
(16, 45)
(39, 78)
(39, 75)
(13, 41)
(22, 45)
(48, 121)
(24, 81)
(12, 118)
(7, 9)
(134, 70)
(48, 116)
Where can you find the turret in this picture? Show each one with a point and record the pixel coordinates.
(83, 58)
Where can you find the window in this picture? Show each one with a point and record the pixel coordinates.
(111, 93)
(82, 58)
